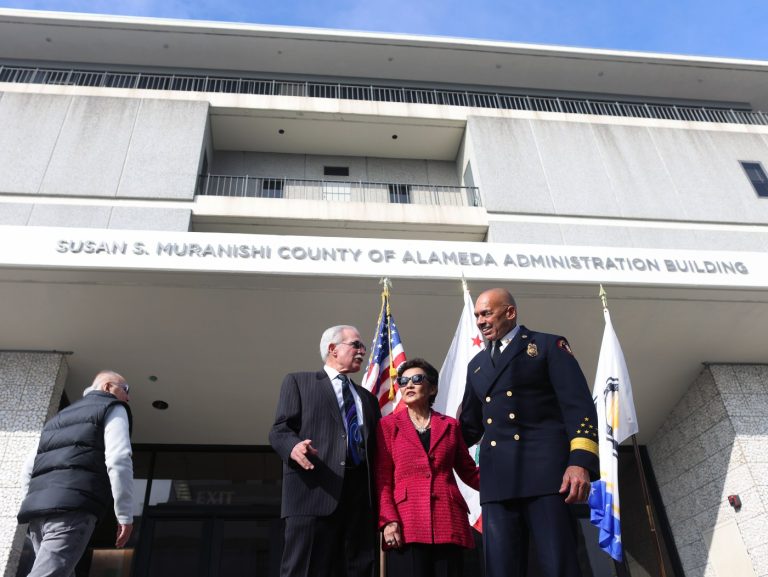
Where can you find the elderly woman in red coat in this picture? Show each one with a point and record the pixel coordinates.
(421, 511)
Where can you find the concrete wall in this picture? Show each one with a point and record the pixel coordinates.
(310, 167)
(626, 234)
(100, 147)
(94, 216)
(615, 171)
(713, 444)
(31, 385)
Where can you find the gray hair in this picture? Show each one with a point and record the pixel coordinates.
(332, 335)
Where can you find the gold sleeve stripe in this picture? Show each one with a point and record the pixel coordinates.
(584, 445)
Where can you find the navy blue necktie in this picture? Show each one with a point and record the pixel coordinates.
(495, 352)
(354, 434)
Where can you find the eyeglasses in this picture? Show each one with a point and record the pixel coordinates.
(125, 386)
(355, 345)
(415, 379)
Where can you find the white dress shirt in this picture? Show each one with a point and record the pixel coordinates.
(506, 339)
(332, 374)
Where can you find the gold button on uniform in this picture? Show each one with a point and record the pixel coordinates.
(487, 399)
(493, 443)
(517, 437)
(511, 415)
(509, 393)
(489, 421)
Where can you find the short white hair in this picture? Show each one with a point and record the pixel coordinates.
(332, 335)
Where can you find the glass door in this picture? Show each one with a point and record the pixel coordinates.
(210, 547)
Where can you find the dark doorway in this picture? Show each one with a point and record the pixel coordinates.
(209, 546)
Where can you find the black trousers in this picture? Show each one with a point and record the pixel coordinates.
(342, 544)
(509, 525)
(423, 560)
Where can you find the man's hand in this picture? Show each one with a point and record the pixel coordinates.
(576, 484)
(301, 451)
(123, 534)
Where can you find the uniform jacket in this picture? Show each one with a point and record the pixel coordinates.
(70, 472)
(535, 415)
(418, 489)
(308, 409)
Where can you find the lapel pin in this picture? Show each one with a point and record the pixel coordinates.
(477, 369)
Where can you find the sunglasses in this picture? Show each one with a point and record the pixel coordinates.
(125, 387)
(415, 379)
(355, 345)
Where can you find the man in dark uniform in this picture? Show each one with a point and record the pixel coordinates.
(528, 400)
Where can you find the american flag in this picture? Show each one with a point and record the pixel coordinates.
(386, 355)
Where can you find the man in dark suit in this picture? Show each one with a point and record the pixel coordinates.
(324, 430)
(528, 400)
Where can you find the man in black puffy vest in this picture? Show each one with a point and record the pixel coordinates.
(82, 464)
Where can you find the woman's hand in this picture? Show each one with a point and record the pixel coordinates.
(392, 537)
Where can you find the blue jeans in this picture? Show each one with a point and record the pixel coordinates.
(59, 541)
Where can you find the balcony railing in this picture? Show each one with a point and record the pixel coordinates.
(466, 98)
(339, 191)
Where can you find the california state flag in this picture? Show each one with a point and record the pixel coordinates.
(467, 342)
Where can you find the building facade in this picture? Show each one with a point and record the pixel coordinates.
(192, 203)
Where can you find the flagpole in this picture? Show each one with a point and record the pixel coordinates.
(639, 462)
(386, 284)
(392, 370)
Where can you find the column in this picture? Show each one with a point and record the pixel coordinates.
(31, 385)
(714, 444)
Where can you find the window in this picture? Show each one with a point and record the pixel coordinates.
(271, 188)
(756, 174)
(341, 191)
(399, 194)
(336, 171)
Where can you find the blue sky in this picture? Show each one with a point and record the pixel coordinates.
(735, 29)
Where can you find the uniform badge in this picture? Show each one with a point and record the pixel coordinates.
(533, 350)
(563, 344)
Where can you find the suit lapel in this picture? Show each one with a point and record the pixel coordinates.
(439, 429)
(512, 350)
(490, 373)
(406, 429)
(368, 416)
(329, 396)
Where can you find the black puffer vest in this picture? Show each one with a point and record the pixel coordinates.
(69, 472)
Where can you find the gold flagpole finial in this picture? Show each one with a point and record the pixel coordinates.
(603, 297)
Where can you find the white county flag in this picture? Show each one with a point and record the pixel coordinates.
(616, 420)
(467, 342)
(612, 374)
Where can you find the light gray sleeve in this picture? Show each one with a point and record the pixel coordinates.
(117, 450)
(26, 472)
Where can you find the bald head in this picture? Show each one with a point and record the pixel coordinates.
(111, 382)
(500, 296)
(495, 313)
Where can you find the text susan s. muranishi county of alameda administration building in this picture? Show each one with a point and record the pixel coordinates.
(192, 203)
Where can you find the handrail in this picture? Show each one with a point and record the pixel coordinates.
(336, 190)
(192, 83)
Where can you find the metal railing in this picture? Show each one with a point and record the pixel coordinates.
(465, 98)
(336, 190)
